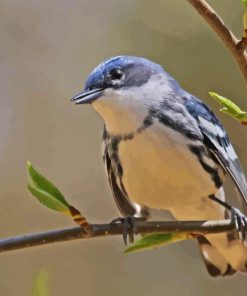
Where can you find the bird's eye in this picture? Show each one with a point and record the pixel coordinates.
(116, 74)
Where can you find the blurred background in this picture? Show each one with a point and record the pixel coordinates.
(47, 50)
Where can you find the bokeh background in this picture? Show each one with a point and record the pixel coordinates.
(47, 50)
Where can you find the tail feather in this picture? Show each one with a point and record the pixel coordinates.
(223, 253)
(229, 245)
(233, 250)
(215, 263)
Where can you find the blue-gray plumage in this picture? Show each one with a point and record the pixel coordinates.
(165, 149)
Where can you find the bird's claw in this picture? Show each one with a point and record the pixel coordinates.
(240, 221)
(128, 226)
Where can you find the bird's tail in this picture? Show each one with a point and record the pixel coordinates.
(215, 263)
(223, 253)
(226, 252)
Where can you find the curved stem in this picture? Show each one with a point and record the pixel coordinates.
(228, 38)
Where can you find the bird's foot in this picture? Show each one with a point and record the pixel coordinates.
(128, 226)
(238, 218)
(240, 221)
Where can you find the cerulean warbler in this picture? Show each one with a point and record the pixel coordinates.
(164, 149)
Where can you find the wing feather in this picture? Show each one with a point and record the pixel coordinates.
(216, 140)
(125, 206)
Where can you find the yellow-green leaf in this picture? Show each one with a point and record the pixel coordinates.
(229, 107)
(45, 191)
(245, 21)
(48, 194)
(244, 2)
(155, 240)
(40, 284)
(47, 199)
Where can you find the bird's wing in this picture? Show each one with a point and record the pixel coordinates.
(216, 140)
(125, 206)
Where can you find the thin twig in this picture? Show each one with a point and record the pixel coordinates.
(230, 41)
(143, 227)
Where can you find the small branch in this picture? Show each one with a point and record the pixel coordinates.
(67, 234)
(216, 23)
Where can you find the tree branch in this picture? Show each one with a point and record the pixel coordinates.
(234, 45)
(97, 230)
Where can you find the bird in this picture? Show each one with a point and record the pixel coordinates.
(164, 149)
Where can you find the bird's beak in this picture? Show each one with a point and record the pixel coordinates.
(87, 97)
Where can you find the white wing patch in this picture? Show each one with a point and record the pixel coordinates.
(219, 138)
(225, 153)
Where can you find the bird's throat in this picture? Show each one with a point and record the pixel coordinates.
(121, 117)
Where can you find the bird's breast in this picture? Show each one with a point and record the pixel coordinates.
(160, 171)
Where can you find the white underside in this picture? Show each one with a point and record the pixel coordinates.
(161, 173)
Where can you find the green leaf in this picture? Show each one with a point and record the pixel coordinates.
(48, 194)
(244, 2)
(45, 191)
(230, 108)
(40, 284)
(155, 240)
(47, 199)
